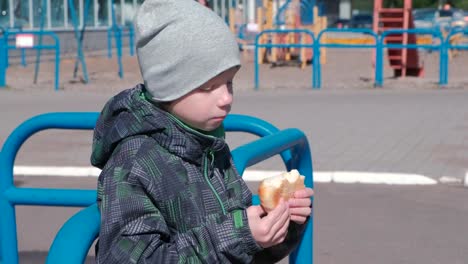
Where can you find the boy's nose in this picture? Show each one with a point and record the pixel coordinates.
(226, 96)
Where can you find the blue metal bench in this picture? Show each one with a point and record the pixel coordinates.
(76, 236)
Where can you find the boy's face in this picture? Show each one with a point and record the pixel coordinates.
(206, 107)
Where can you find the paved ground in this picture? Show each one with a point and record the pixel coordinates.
(409, 126)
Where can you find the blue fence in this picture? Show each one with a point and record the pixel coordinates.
(10, 37)
(3, 61)
(118, 32)
(448, 46)
(379, 46)
(76, 236)
(269, 45)
(319, 45)
(382, 45)
(5, 47)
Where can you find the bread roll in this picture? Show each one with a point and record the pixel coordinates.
(284, 185)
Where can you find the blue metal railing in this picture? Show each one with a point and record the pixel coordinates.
(448, 46)
(279, 31)
(6, 34)
(79, 39)
(306, 12)
(443, 46)
(10, 195)
(55, 46)
(318, 45)
(120, 32)
(381, 45)
(3, 61)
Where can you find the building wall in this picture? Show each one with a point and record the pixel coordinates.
(58, 14)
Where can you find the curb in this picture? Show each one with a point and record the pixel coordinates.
(347, 177)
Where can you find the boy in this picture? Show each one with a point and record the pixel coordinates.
(168, 191)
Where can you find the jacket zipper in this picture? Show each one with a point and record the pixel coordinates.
(205, 174)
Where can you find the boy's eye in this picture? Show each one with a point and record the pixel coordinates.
(213, 87)
(207, 88)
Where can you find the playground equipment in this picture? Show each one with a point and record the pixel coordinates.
(25, 40)
(450, 45)
(3, 64)
(302, 46)
(5, 47)
(28, 39)
(405, 62)
(38, 55)
(118, 32)
(5, 32)
(297, 14)
(320, 45)
(79, 36)
(74, 239)
(292, 15)
(382, 44)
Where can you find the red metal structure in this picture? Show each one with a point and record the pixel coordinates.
(405, 62)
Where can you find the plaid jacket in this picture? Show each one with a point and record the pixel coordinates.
(169, 194)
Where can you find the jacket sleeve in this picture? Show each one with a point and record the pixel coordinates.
(276, 253)
(134, 231)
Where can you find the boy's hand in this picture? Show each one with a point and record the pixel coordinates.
(301, 205)
(271, 229)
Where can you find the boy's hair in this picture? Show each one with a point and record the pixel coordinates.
(180, 46)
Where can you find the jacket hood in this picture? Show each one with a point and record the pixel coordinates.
(129, 114)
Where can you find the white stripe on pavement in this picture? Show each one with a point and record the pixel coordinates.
(252, 175)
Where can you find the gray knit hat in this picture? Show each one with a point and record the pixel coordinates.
(180, 46)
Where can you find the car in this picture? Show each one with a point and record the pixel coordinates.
(341, 23)
(450, 18)
(361, 21)
(424, 17)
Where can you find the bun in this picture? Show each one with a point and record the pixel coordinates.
(272, 189)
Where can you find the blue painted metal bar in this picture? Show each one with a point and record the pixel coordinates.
(434, 33)
(81, 35)
(79, 232)
(379, 64)
(118, 43)
(264, 148)
(3, 61)
(79, 49)
(6, 34)
(118, 40)
(23, 51)
(109, 42)
(447, 46)
(279, 31)
(255, 126)
(55, 47)
(50, 197)
(125, 31)
(318, 45)
(306, 11)
(75, 237)
(131, 40)
(10, 196)
(279, 45)
(281, 13)
(38, 53)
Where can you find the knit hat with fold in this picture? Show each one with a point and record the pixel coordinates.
(180, 46)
